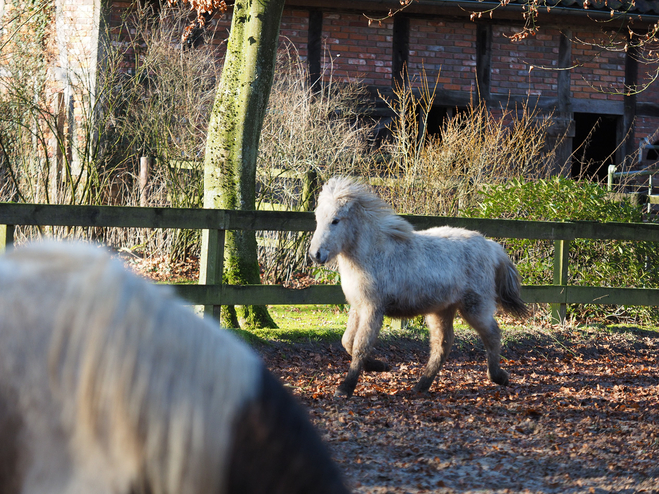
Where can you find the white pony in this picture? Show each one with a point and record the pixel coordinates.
(389, 269)
(108, 384)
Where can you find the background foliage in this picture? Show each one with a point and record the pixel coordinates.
(613, 263)
(154, 97)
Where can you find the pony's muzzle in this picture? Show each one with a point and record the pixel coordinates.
(319, 256)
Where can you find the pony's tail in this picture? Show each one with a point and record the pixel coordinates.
(508, 285)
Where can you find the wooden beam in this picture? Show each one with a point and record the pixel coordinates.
(6, 237)
(625, 131)
(400, 48)
(211, 266)
(546, 230)
(561, 258)
(483, 59)
(260, 294)
(200, 219)
(332, 294)
(590, 295)
(314, 45)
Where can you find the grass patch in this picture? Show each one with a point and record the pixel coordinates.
(326, 324)
(300, 323)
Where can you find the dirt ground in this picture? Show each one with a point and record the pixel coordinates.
(581, 414)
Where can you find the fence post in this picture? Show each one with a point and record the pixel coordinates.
(211, 265)
(144, 179)
(561, 255)
(609, 178)
(6, 237)
(309, 187)
(399, 324)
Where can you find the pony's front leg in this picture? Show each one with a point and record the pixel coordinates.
(351, 330)
(370, 364)
(441, 341)
(361, 340)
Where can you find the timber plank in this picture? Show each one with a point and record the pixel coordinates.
(543, 230)
(260, 294)
(332, 294)
(590, 295)
(111, 216)
(136, 217)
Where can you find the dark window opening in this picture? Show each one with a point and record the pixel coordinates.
(437, 116)
(652, 151)
(594, 145)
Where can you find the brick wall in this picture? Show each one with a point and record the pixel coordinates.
(526, 67)
(599, 74)
(353, 50)
(646, 127)
(294, 32)
(445, 48)
(648, 74)
(75, 43)
(447, 52)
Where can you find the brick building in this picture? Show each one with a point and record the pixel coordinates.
(575, 67)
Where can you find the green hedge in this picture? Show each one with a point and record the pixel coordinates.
(612, 263)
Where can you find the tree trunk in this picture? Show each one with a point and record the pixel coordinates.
(233, 137)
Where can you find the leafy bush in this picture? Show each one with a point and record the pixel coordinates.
(613, 263)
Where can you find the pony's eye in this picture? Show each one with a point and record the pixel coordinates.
(335, 221)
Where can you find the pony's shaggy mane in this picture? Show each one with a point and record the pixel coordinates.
(345, 192)
(140, 382)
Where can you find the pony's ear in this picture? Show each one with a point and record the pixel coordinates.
(355, 207)
(346, 206)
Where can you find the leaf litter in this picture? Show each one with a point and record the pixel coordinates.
(581, 414)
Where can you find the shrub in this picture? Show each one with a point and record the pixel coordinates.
(441, 175)
(613, 263)
(160, 109)
(310, 133)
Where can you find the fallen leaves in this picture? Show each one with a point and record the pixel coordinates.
(581, 413)
(577, 416)
(159, 268)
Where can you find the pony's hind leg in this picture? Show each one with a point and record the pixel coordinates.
(361, 341)
(370, 364)
(488, 329)
(492, 341)
(440, 325)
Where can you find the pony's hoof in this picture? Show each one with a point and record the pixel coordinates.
(423, 386)
(342, 393)
(375, 365)
(500, 378)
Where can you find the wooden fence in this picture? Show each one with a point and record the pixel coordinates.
(212, 293)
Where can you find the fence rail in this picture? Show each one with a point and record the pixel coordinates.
(212, 293)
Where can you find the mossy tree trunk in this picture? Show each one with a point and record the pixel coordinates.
(233, 137)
